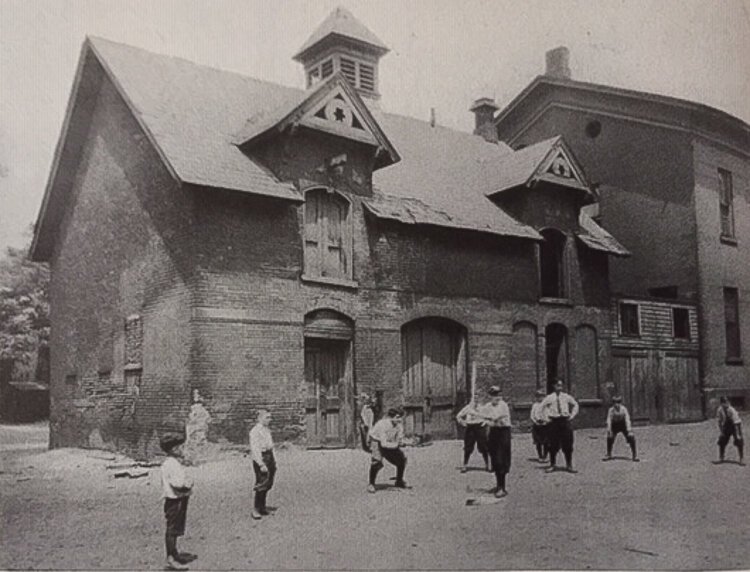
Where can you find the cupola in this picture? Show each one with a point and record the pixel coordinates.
(343, 44)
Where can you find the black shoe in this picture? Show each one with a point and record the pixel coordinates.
(400, 484)
(185, 557)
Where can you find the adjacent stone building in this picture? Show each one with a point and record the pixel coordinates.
(673, 183)
(287, 249)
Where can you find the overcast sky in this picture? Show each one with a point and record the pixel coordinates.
(444, 55)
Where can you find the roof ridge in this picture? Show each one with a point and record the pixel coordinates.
(173, 57)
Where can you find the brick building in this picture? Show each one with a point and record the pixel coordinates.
(673, 180)
(287, 249)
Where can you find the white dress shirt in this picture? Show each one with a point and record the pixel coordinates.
(174, 476)
(388, 435)
(498, 415)
(730, 413)
(468, 415)
(260, 441)
(560, 405)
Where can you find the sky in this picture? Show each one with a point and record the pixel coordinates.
(444, 55)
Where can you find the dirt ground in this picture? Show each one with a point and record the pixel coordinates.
(674, 510)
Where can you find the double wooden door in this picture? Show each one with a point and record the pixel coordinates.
(658, 386)
(328, 403)
(434, 377)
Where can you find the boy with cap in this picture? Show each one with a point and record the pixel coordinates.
(386, 440)
(264, 463)
(177, 487)
(539, 426)
(730, 426)
(497, 416)
(618, 421)
(475, 433)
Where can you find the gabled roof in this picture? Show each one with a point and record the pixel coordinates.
(311, 111)
(550, 160)
(193, 114)
(679, 113)
(342, 23)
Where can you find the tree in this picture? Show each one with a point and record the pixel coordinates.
(24, 306)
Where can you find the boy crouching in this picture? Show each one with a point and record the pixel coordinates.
(177, 487)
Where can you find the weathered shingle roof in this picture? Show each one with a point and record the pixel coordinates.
(342, 23)
(596, 238)
(195, 114)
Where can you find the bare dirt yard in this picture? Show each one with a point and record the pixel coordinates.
(674, 510)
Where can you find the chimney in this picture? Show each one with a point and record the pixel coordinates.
(557, 63)
(484, 110)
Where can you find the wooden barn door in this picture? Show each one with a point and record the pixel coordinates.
(680, 389)
(630, 376)
(434, 372)
(329, 393)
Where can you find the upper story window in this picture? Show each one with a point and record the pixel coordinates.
(630, 324)
(328, 242)
(360, 74)
(552, 267)
(732, 324)
(726, 199)
(681, 323)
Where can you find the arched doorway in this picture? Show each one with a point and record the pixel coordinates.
(434, 362)
(556, 351)
(328, 379)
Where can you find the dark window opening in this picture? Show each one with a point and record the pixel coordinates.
(726, 208)
(593, 129)
(71, 379)
(629, 322)
(681, 323)
(732, 323)
(552, 264)
(556, 353)
(313, 76)
(669, 292)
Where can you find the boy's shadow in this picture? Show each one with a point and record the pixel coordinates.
(617, 458)
(471, 469)
(728, 462)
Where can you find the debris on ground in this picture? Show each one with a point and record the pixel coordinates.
(131, 474)
(637, 551)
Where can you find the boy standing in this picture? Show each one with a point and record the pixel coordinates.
(497, 416)
(386, 440)
(177, 487)
(366, 420)
(730, 426)
(560, 408)
(475, 433)
(618, 421)
(539, 426)
(264, 463)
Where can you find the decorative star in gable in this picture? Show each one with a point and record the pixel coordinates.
(337, 114)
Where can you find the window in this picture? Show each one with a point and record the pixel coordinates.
(326, 68)
(320, 72)
(552, 264)
(327, 235)
(732, 323)
(681, 323)
(629, 320)
(726, 203)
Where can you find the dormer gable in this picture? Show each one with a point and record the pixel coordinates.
(332, 107)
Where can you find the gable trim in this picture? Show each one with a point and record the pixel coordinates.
(577, 180)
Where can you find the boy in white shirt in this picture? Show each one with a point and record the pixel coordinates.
(475, 433)
(618, 421)
(177, 487)
(386, 439)
(497, 416)
(730, 426)
(539, 426)
(264, 463)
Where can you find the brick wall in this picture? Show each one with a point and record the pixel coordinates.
(723, 264)
(118, 254)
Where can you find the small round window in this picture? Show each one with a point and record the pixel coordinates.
(593, 129)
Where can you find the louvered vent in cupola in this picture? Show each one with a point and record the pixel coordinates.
(349, 69)
(367, 77)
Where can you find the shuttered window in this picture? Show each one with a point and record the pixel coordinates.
(367, 77)
(726, 200)
(326, 68)
(630, 324)
(327, 235)
(349, 69)
(358, 74)
(732, 323)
